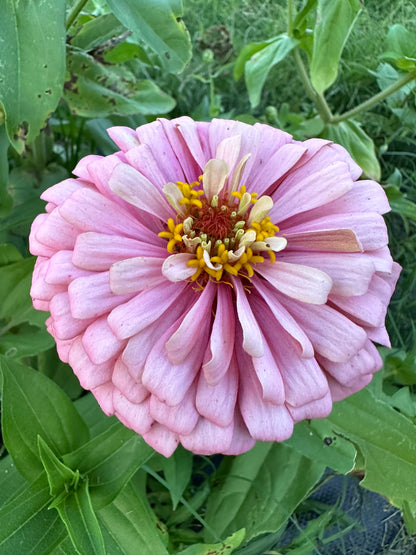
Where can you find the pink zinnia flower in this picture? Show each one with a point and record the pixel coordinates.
(214, 283)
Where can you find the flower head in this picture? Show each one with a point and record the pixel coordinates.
(214, 283)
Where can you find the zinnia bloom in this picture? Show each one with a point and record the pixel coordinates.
(214, 283)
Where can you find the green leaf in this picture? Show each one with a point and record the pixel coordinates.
(229, 545)
(80, 520)
(22, 215)
(96, 90)
(9, 254)
(6, 201)
(178, 472)
(110, 459)
(334, 21)
(401, 48)
(258, 66)
(33, 405)
(386, 438)
(27, 341)
(158, 24)
(33, 65)
(260, 490)
(350, 135)
(26, 524)
(315, 439)
(96, 31)
(129, 525)
(246, 53)
(60, 477)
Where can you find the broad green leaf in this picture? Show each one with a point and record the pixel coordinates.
(22, 215)
(60, 477)
(386, 438)
(334, 21)
(386, 76)
(350, 135)
(97, 31)
(258, 66)
(80, 520)
(246, 53)
(26, 524)
(27, 341)
(9, 254)
(33, 65)
(11, 482)
(260, 490)
(158, 24)
(110, 460)
(6, 201)
(129, 525)
(178, 471)
(33, 405)
(399, 203)
(315, 439)
(229, 545)
(401, 47)
(300, 20)
(96, 90)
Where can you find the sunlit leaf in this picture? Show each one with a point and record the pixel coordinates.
(159, 25)
(401, 48)
(229, 545)
(33, 65)
(334, 21)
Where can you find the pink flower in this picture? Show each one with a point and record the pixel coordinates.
(214, 283)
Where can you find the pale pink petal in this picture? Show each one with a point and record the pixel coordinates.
(252, 340)
(217, 402)
(99, 341)
(296, 195)
(98, 251)
(191, 134)
(229, 150)
(136, 189)
(136, 274)
(133, 390)
(91, 296)
(90, 375)
(340, 392)
(181, 418)
(61, 191)
(124, 137)
(56, 233)
(364, 310)
(60, 269)
(335, 240)
(195, 325)
(81, 169)
(141, 159)
(319, 408)
(134, 416)
(300, 282)
(175, 267)
(190, 168)
(36, 247)
(161, 439)
(142, 310)
(242, 441)
(40, 289)
(65, 326)
(207, 438)
(104, 395)
(221, 343)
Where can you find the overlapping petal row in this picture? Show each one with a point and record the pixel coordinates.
(187, 341)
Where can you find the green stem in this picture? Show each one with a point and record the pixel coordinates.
(319, 100)
(289, 17)
(376, 98)
(73, 14)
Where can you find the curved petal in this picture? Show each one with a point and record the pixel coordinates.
(181, 418)
(208, 438)
(134, 416)
(252, 339)
(175, 267)
(99, 341)
(161, 439)
(136, 274)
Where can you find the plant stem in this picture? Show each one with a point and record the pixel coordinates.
(376, 98)
(289, 17)
(73, 14)
(319, 100)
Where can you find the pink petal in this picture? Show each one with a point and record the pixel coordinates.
(228, 150)
(58, 193)
(133, 390)
(142, 160)
(350, 273)
(36, 247)
(124, 137)
(191, 170)
(161, 439)
(65, 326)
(61, 271)
(207, 438)
(340, 392)
(333, 335)
(100, 343)
(175, 267)
(134, 416)
(319, 408)
(98, 251)
(145, 308)
(81, 169)
(336, 240)
(217, 402)
(300, 282)
(40, 289)
(252, 339)
(221, 342)
(195, 324)
(181, 418)
(136, 274)
(91, 296)
(56, 233)
(189, 131)
(90, 375)
(298, 194)
(104, 395)
(364, 310)
(136, 189)
(242, 440)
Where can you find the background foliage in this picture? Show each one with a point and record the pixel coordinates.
(73, 480)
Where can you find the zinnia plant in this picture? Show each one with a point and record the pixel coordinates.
(214, 283)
